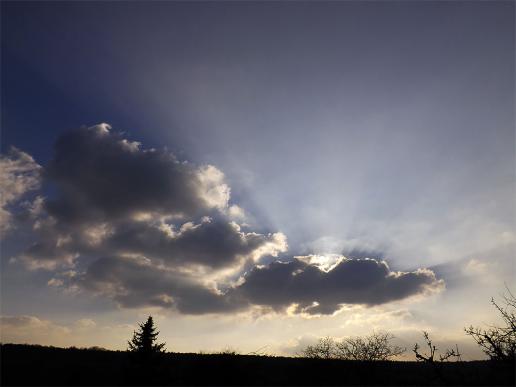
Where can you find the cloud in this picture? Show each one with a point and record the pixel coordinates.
(349, 281)
(101, 175)
(212, 242)
(19, 174)
(48, 254)
(137, 282)
(493, 266)
(117, 198)
(85, 323)
(145, 229)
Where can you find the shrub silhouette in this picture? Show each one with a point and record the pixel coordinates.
(499, 343)
(143, 341)
(374, 347)
(228, 351)
(323, 349)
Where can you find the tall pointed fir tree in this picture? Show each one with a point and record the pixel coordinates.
(144, 339)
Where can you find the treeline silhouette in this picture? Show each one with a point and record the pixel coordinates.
(351, 361)
(38, 365)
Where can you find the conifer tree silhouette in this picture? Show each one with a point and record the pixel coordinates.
(143, 340)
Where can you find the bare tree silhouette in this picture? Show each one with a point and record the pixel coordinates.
(499, 343)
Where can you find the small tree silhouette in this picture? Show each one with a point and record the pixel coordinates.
(430, 358)
(143, 340)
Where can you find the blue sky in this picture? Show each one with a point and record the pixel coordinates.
(380, 127)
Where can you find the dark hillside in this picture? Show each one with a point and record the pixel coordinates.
(37, 365)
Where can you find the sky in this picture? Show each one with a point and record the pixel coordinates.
(255, 175)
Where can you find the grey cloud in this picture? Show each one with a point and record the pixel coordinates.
(216, 243)
(18, 321)
(101, 175)
(213, 242)
(48, 254)
(352, 281)
(136, 282)
(483, 266)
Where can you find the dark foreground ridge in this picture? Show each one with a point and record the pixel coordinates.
(38, 365)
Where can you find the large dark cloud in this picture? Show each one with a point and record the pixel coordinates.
(137, 282)
(145, 229)
(351, 281)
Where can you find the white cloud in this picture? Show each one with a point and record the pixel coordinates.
(235, 212)
(213, 189)
(19, 174)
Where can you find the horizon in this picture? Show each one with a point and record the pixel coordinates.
(256, 174)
